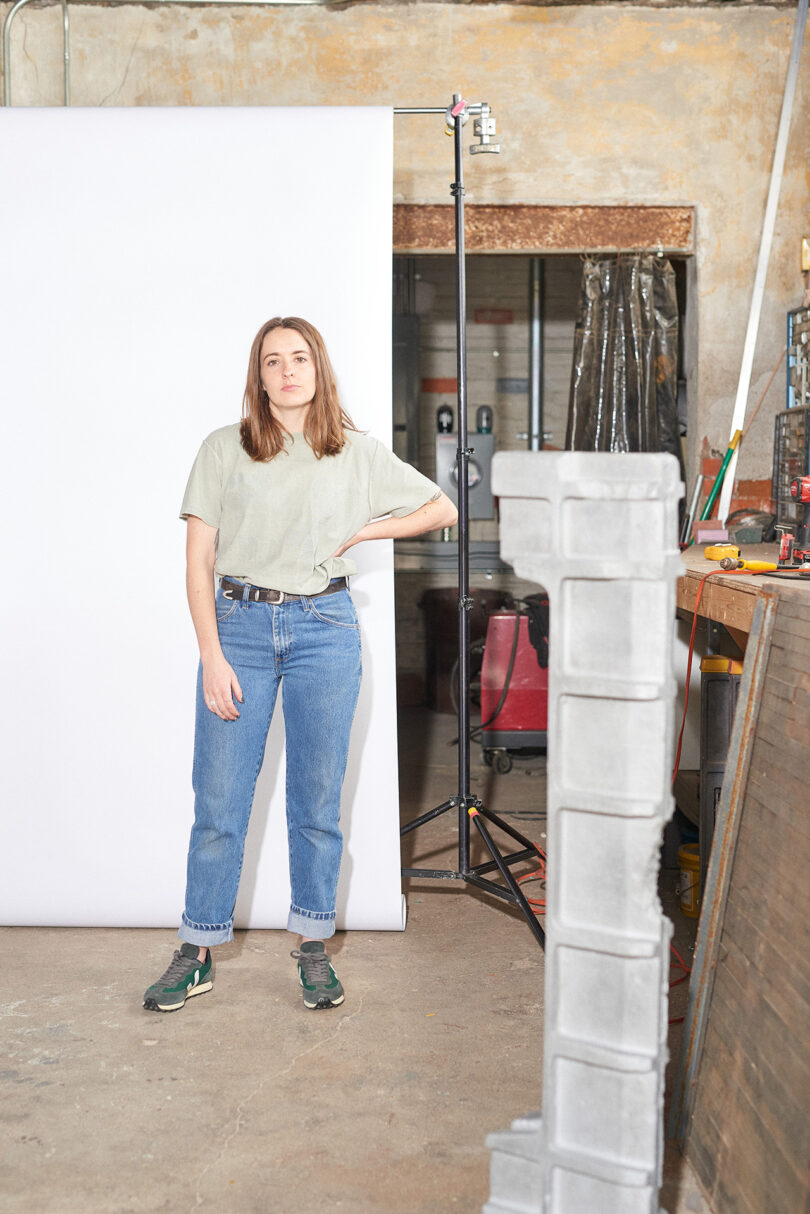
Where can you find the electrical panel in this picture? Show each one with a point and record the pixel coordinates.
(481, 501)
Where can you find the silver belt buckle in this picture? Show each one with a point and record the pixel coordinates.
(279, 596)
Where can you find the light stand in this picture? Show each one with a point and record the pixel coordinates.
(470, 808)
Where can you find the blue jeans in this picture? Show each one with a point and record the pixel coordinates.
(312, 648)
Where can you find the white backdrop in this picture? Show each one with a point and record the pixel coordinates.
(143, 248)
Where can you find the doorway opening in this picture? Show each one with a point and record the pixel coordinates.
(424, 394)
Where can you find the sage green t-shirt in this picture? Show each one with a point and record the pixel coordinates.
(279, 522)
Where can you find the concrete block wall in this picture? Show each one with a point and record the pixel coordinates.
(599, 533)
(598, 103)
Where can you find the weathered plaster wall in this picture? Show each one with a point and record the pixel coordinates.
(616, 104)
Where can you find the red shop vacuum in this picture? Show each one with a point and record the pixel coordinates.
(514, 683)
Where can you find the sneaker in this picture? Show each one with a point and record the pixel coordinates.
(186, 976)
(319, 981)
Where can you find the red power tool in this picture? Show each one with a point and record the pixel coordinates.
(794, 550)
(800, 488)
(790, 555)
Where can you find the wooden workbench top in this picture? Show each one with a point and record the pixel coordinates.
(730, 598)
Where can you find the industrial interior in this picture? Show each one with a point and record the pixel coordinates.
(637, 282)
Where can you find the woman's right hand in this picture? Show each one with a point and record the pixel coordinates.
(220, 685)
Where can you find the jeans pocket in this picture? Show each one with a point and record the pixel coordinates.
(337, 609)
(225, 609)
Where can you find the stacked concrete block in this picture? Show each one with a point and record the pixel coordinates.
(599, 532)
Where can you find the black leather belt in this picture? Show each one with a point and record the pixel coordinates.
(258, 594)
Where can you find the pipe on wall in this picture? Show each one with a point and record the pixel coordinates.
(536, 354)
(66, 39)
(11, 14)
(66, 28)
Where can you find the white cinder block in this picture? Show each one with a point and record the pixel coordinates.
(599, 532)
(578, 1194)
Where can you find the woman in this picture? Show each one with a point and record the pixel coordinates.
(272, 505)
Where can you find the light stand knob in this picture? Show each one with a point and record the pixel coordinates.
(484, 130)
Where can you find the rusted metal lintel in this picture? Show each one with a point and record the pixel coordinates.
(523, 228)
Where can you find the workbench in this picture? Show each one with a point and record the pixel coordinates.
(729, 598)
(741, 1099)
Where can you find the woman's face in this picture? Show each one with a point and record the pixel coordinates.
(287, 372)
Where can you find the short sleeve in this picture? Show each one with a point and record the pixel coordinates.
(203, 496)
(396, 487)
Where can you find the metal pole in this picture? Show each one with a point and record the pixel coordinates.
(768, 225)
(463, 456)
(12, 13)
(689, 517)
(536, 354)
(66, 37)
(469, 805)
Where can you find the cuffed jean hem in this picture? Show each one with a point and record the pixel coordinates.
(205, 937)
(304, 923)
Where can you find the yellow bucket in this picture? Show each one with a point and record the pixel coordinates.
(713, 664)
(689, 860)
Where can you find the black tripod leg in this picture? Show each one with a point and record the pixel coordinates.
(509, 830)
(505, 872)
(431, 813)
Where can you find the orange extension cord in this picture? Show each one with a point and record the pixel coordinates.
(538, 906)
(539, 874)
(686, 971)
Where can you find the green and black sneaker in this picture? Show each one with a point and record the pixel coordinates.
(186, 976)
(319, 981)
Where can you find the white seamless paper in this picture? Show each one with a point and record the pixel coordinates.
(143, 249)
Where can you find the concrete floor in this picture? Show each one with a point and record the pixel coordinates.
(245, 1102)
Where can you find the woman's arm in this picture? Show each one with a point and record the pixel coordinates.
(220, 683)
(430, 517)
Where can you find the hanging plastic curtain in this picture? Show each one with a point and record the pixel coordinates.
(624, 376)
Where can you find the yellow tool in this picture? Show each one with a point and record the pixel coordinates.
(752, 566)
(719, 552)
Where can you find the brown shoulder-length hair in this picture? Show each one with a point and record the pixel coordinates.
(327, 421)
